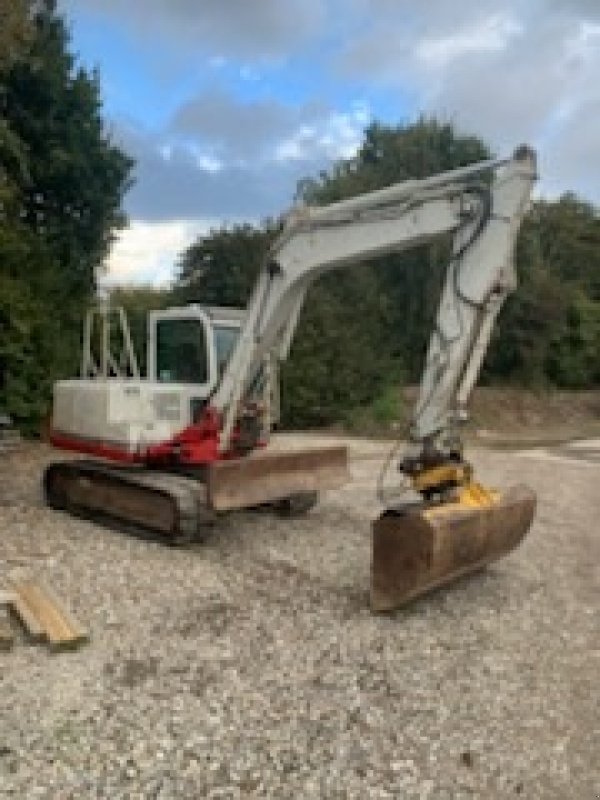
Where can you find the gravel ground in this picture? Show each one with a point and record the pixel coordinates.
(250, 665)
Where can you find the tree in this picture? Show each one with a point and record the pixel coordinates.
(220, 268)
(15, 34)
(549, 332)
(409, 283)
(63, 181)
(15, 31)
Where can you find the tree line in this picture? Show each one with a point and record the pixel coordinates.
(362, 332)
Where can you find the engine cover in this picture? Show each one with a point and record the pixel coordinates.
(128, 414)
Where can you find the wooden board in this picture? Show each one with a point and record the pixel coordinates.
(6, 634)
(45, 617)
(27, 618)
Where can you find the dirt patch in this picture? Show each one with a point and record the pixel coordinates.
(555, 414)
(540, 416)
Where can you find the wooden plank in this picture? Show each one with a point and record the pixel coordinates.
(6, 598)
(70, 632)
(6, 634)
(57, 624)
(27, 618)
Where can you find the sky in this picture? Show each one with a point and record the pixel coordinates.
(226, 104)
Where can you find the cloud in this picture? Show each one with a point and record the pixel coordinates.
(238, 129)
(178, 182)
(490, 35)
(335, 137)
(525, 73)
(146, 252)
(269, 130)
(267, 93)
(575, 154)
(264, 30)
(585, 9)
(509, 95)
(219, 158)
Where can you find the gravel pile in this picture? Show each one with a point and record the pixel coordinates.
(250, 665)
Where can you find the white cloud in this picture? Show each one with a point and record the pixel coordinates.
(146, 252)
(248, 73)
(296, 146)
(266, 30)
(336, 136)
(208, 163)
(486, 36)
(205, 162)
(527, 72)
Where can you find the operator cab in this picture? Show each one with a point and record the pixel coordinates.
(112, 407)
(190, 347)
(192, 344)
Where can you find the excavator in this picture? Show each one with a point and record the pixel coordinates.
(172, 450)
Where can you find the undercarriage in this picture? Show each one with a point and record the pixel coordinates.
(179, 508)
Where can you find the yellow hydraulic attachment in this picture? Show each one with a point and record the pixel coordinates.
(470, 495)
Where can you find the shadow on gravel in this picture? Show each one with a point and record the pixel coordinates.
(278, 582)
(215, 618)
(488, 590)
(132, 672)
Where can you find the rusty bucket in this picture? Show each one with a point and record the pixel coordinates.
(417, 550)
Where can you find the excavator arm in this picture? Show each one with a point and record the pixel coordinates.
(449, 524)
(482, 205)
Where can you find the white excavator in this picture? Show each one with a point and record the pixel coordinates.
(190, 440)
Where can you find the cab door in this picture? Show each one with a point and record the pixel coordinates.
(181, 350)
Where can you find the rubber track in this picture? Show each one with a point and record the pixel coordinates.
(187, 495)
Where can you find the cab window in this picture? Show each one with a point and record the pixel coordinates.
(181, 355)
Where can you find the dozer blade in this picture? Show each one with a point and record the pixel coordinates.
(417, 550)
(267, 477)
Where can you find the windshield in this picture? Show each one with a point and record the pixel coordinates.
(181, 355)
